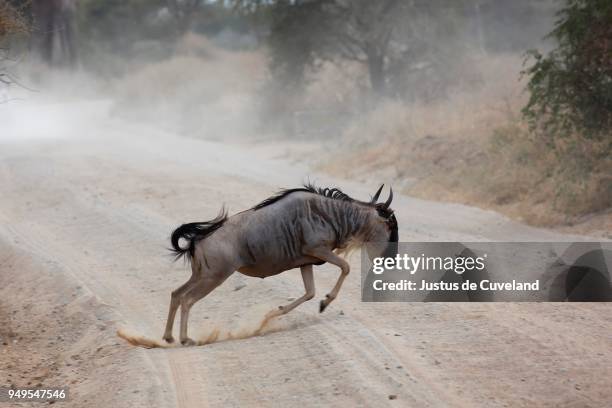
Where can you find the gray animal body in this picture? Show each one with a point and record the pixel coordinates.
(296, 228)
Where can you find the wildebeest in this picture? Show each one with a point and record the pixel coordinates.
(296, 228)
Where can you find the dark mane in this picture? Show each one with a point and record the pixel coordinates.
(329, 192)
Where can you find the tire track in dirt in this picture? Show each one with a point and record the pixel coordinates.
(43, 245)
(37, 252)
(189, 391)
(97, 261)
(81, 260)
(102, 210)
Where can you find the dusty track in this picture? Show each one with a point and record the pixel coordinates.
(84, 221)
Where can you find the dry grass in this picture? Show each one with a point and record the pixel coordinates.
(524, 178)
(470, 147)
(11, 20)
(202, 90)
(473, 148)
(334, 86)
(12, 26)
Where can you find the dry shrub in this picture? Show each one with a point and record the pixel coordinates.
(473, 148)
(11, 20)
(470, 113)
(336, 86)
(420, 139)
(12, 24)
(202, 90)
(542, 184)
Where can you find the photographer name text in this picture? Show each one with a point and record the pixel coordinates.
(409, 285)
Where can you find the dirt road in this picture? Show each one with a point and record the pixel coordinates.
(86, 207)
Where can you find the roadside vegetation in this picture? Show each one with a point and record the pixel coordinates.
(498, 104)
(536, 146)
(13, 24)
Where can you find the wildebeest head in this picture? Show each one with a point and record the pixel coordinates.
(389, 222)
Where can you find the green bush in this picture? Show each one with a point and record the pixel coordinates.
(571, 87)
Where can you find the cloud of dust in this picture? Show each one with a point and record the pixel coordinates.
(254, 322)
(201, 90)
(44, 103)
(49, 118)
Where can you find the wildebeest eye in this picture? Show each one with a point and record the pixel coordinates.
(385, 213)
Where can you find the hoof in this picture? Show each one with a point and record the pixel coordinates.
(169, 339)
(274, 313)
(188, 342)
(322, 306)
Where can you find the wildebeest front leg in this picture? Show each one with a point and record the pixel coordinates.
(308, 279)
(325, 254)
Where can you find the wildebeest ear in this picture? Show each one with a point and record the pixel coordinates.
(388, 202)
(375, 197)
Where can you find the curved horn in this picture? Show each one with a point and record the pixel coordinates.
(388, 202)
(375, 197)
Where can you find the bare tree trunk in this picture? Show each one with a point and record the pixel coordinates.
(43, 29)
(479, 29)
(53, 32)
(376, 71)
(183, 13)
(66, 26)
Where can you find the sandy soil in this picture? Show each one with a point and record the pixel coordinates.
(86, 207)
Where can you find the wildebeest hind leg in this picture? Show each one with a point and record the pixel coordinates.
(198, 289)
(174, 304)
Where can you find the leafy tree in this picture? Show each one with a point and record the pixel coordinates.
(12, 23)
(400, 44)
(293, 39)
(116, 24)
(571, 87)
(183, 12)
(303, 32)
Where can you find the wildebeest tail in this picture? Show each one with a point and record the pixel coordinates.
(194, 232)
